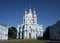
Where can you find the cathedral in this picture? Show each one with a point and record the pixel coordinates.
(4, 32)
(29, 29)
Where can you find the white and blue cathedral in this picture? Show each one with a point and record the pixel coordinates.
(29, 29)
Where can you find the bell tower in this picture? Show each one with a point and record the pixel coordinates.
(25, 17)
(35, 17)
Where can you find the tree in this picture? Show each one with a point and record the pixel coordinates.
(46, 34)
(12, 33)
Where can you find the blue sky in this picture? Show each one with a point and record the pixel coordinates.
(12, 11)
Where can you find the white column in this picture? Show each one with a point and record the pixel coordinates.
(35, 34)
(21, 32)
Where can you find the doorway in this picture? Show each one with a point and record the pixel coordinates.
(29, 35)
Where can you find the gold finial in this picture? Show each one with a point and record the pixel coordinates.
(30, 9)
(25, 10)
(34, 11)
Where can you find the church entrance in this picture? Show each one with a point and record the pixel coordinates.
(29, 35)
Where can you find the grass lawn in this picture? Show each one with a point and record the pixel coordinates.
(24, 41)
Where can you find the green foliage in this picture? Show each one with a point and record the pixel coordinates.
(12, 33)
(46, 34)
